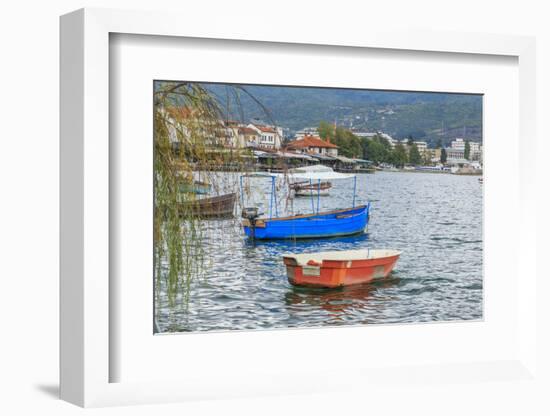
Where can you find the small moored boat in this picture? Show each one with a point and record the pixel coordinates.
(332, 269)
(215, 207)
(306, 188)
(319, 224)
(337, 223)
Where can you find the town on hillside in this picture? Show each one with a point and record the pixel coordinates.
(345, 150)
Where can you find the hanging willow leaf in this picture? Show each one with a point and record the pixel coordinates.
(189, 137)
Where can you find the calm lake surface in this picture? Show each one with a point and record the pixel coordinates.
(434, 219)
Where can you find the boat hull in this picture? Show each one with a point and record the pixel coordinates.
(339, 272)
(308, 189)
(306, 192)
(215, 207)
(328, 224)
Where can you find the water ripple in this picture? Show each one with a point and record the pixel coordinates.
(434, 219)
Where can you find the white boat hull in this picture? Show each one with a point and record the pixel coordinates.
(307, 192)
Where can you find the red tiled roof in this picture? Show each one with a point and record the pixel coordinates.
(311, 141)
(247, 130)
(265, 129)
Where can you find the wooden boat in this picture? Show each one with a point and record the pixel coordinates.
(214, 207)
(332, 269)
(335, 223)
(307, 188)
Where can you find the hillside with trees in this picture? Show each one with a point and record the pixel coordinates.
(377, 148)
(424, 116)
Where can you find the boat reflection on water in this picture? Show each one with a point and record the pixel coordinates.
(340, 305)
(307, 244)
(312, 306)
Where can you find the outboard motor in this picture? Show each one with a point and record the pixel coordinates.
(251, 214)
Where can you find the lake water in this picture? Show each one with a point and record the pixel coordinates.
(434, 219)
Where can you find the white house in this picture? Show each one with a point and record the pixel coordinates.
(313, 144)
(269, 136)
(248, 137)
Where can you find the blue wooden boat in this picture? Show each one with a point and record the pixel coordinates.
(335, 223)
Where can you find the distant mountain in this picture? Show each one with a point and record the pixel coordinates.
(424, 116)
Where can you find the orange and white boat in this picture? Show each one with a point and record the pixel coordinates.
(332, 269)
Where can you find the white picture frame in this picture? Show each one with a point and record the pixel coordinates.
(86, 356)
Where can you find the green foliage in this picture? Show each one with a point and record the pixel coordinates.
(188, 136)
(443, 157)
(467, 150)
(189, 125)
(349, 144)
(326, 130)
(377, 149)
(399, 156)
(414, 155)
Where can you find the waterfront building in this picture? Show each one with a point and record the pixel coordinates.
(474, 147)
(364, 134)
(231, 133)
(454, 153)
(370, 135)
(270, 137)
(313, 131)
(475, 151)
(183, 121)
(248, 137)
(393, 142)
(458, 147)
(390, 139)
(458, 144)
(422, 147)
(313, 144)
(434, 155)
(227, 133)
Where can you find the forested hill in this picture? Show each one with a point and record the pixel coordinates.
(424, 116)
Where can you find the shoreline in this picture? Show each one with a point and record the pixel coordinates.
(430, 171)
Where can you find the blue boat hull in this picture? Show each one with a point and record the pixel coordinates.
(329, 224)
